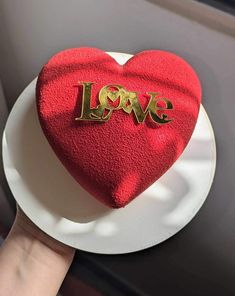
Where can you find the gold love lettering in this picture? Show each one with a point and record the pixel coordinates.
(127, 101)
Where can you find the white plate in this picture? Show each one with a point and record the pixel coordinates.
(57, 204)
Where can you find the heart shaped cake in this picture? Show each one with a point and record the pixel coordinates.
(117, 128)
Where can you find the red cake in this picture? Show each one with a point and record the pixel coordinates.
(116, 128)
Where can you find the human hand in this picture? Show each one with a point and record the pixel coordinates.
(23, 225)
(31, 262)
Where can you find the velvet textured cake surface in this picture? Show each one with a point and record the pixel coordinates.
(117, 159)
